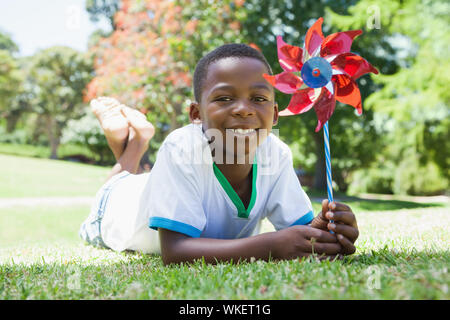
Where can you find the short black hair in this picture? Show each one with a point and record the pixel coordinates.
(232, 50)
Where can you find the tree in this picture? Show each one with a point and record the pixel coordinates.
(352, 138)
(10, 82)
(6, 43)
(10, 87)
(102, 8)
(58, 76)
(411, 107)
(148, 60)
(87, 133)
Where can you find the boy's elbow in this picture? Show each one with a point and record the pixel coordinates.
(168, 259)
(170, 251)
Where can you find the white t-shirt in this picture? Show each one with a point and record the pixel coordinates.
(187, 193)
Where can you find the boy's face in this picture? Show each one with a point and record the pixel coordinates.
(236, 96)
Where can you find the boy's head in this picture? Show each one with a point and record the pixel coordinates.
(232, 50)
(231, 94)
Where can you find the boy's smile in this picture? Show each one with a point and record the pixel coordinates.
(238, 103)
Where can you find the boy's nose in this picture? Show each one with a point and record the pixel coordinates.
(243, 109)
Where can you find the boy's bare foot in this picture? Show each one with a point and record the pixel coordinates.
(140, 133)
(140, 128)
(114, 125)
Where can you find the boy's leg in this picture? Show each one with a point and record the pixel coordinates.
(140, 133)
(114, 125)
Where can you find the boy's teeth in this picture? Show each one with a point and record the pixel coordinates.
(243, 131)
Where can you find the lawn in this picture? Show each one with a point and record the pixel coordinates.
(402, 252)
(35, 177)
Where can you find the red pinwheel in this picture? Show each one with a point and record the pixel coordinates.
(319, 74)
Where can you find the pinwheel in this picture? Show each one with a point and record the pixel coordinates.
(317, 75)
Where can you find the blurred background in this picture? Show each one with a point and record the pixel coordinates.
(55, 56)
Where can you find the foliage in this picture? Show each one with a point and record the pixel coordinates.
(400, 144)
(148, 60)
(6, 43)
(70, 152)
(413, 178)
(18, 136)
(352, 138)
(86, 131)
(372, 180)
(10, 87)
(411, 108)
(58, 76)
(102, 8)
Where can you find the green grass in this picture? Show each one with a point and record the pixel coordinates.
(402, 253)
(42, 225)
(30, 177)
(27, 150)
(103, 275)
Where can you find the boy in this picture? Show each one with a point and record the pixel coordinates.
(206, 195)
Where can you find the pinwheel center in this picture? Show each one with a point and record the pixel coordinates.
(316, 72)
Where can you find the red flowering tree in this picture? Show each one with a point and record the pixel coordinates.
(148, 60)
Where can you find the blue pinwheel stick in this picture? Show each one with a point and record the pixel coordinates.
(326, 140)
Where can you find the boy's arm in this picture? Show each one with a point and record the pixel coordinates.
(289, 243)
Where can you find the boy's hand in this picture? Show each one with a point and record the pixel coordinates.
(301, 241)
(344, 224)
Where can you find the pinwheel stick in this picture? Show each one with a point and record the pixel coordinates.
(326, 140)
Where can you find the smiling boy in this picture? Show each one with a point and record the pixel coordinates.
(212, 208)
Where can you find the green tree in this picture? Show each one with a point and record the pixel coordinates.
(10, 82)
(102, 8)
(6, 43)
(10, 86)
(86, 132)
(148, 60)
(58, 76)
(258, 22)
(411, 108)
(352, 138)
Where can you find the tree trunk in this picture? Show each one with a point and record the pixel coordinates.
(53, 136)
(11, 122)
(54, 144)
(320, 178)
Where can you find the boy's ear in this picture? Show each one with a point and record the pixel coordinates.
(275, 114)
(194, 112)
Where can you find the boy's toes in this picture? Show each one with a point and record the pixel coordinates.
(103, 105)
(112, 121)
(138, 121)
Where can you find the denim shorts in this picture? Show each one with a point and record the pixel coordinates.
(90, 230)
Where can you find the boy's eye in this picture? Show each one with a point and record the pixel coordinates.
(223, 99)
(259, 99)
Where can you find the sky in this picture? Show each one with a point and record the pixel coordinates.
(39, 24)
